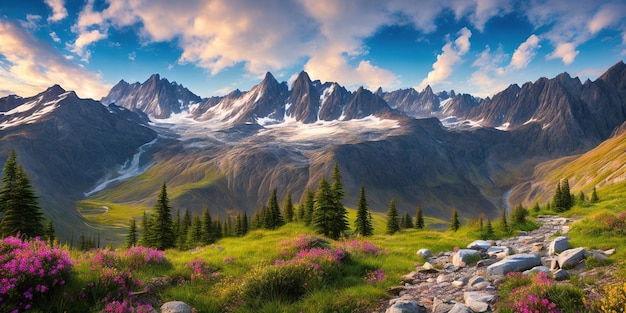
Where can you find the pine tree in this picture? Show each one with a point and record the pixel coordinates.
(568, 200)
(455, 224)
(49, 233)
(408, 220)
(339, 222)
(594, 196)
(299, 213)
(536, 208)
(324, 208)
(194, 233)
(480, 222)
(131, 238)
(419, 218)
(206, 228)
(275, 219)
(245, 225)
(309, 206)
(503, 222)
(21, 210)
(581, 197)
(183, 229)
(288, 208)
(145, 230)
(489, 232)
(8, 180)
(161, 226)
(363, 224)
(393, 223)
(557, 199)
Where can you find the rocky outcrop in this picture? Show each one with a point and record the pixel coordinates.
(448, 288)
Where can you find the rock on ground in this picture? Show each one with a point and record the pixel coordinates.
(175, 307)
(514, 263)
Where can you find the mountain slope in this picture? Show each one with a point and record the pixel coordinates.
(67, 144)
(602, 166)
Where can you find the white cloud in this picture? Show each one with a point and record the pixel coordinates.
(32, 22)
(525, 52)
(565, 51)
(31, 66)
(58, 10)
(132, 56)
(451, 54)
(55, 37)
(490, 76)
(607, 15)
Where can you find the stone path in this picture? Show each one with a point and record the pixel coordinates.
(466, 280)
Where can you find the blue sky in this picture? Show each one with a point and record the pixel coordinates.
(215, 46)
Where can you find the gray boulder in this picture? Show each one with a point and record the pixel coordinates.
(406, 306)
(175, 307)
(460, 308)
(481, 244)
(465, 256)
(425, 253)
(571, 257)
(478, 301)
(557, 245)
(514, 263)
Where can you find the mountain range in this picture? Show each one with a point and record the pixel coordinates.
(442, 151)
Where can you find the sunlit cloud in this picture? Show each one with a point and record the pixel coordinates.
(565, 51)
(32, 65)
(451, 54)
(55, 37)
(525, 52)
(58, 10)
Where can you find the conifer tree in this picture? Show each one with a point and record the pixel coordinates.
(324, 208)
(594, 196)
(339, 222)
(536, 208)
(131, 237)
(288, 208)
(489, 232)
(275, 219)
(176, 226)
(581, 197)
(557, 199)
(194, 234)
(480, 222)
(503, 222)
(299, 213)
(8, 180)
(217, 229)
(308, 206)
(408, 220)
(145, 230)
(419, 218)
(393, 222)
(568, 201)
(183, 229)
(455, 224)
(363, 224)
(161, 227)
(21, 212)
(206, 230)
(245, 225)
(49, 233)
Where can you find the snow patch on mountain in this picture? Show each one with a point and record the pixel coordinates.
(20, 116)
(130, 169)
(454, 122)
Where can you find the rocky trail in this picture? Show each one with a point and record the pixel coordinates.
(466, 280)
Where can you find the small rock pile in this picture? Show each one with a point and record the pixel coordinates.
(466, 280)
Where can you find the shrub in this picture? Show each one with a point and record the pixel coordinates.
(287, 281)
(538, 293)
(127, 306)
(375, 276)
(138, 257)
(362, 247)
(518, 215)
(615, 298)
(29, 272)
(200, 270)
(290, 247)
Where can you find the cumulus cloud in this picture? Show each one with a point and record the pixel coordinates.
(564, 24)
(58, 10)
(30, 66)
(55, 37)
(489, 77)
(31, 22)
(525, 52)
(451, 54)
(565, 51)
